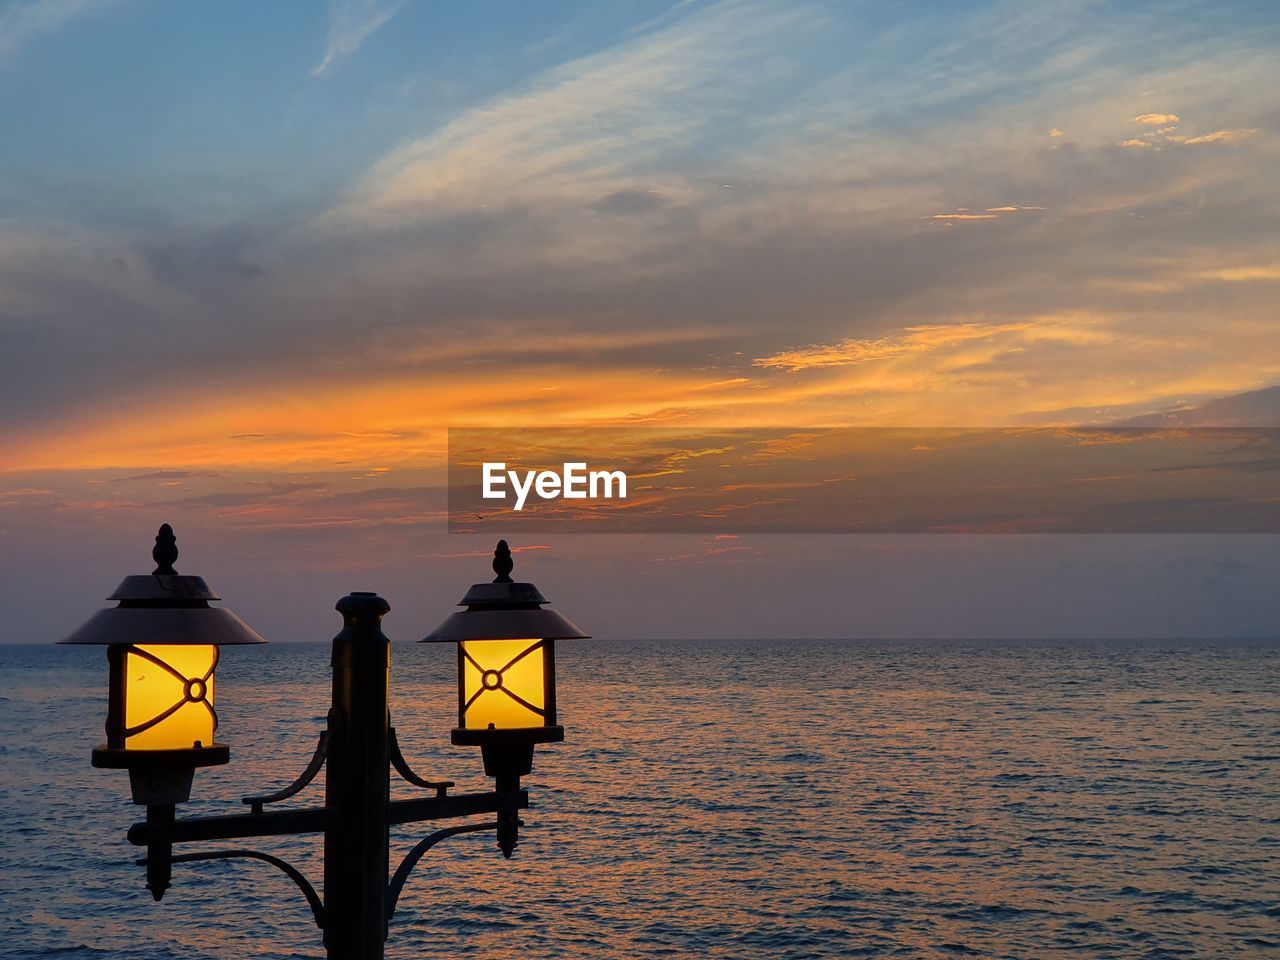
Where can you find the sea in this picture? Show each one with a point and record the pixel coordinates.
(744, 799)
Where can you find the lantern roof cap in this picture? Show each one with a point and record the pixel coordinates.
(502, 594)
(162, 589)
(504, 610)
(164, 607)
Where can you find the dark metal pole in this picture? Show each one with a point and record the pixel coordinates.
(159, 848)
(507, 762)
(357, 785)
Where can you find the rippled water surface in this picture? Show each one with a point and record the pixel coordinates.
(717, 799)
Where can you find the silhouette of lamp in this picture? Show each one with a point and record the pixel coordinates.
(162, 641)
(506, 675)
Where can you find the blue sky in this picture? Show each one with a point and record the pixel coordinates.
(204, 112)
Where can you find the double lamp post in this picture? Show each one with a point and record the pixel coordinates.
(163, 640)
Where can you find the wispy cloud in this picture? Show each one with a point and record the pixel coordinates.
(1222, 136)
(1165, 133)
(587, 130)
(1166, 137)
(1244, 274)
(351, 23)
(22, 23)
(964, 216)
(921, 339)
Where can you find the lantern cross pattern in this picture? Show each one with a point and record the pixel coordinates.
(189, 686)
(492, 680)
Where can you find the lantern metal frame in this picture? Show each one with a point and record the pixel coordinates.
(162, 609)
(507, 610)
(357, 750)
(548, 732)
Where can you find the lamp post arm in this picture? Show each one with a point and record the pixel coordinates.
(458, 805)
(276, 823)
(292, 872)
(396, 886)
(307, 775)
(441, 787)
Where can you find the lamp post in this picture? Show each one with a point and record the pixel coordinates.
(506, 676)
(162, 646)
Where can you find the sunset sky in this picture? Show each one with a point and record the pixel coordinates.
(255, 258)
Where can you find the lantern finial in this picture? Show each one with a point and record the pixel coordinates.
(502, 563)
(165, 552)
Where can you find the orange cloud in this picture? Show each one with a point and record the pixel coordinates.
(918, 339)
(1165, 136)
(1261, 272)
(1221, 136)
(383, 422)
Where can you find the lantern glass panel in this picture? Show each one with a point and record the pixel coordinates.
(169, 697)
(504, 684)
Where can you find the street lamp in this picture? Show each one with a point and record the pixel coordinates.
(506, 674)
(162, 642)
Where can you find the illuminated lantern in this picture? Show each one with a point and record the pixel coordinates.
(507, 685)
(162, 641)
(167, 694)
(506, 670)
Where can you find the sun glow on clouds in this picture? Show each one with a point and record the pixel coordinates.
(399, 422)
(1166, 134)
(948, 375)
(990, 213)
(924, 374)
(915, 340)
(1244, 274)
(691, 226)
